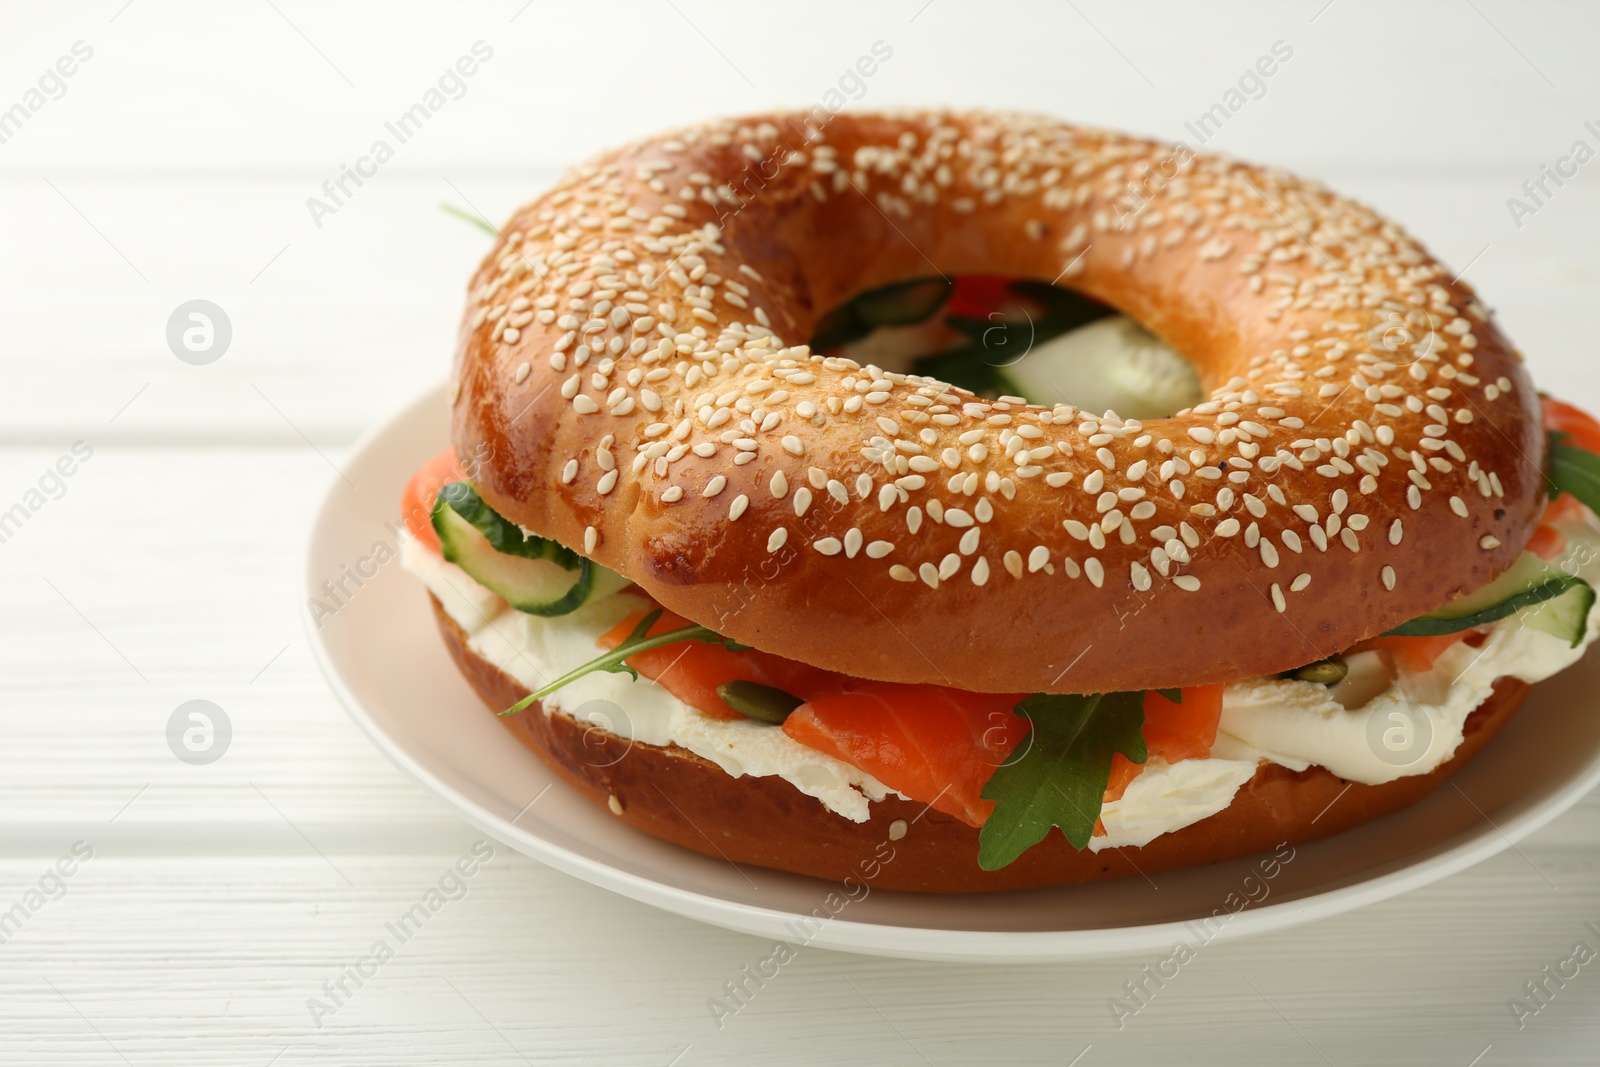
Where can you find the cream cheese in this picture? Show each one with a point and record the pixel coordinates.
(533, 650)
(1415, 723)
(1412, 722)
(1169, 796)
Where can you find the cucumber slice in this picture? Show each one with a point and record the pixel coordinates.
(1113, 364)
(503, 536)
(533, 574)
(1553, 601)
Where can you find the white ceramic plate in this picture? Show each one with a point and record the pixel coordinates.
(384, 658)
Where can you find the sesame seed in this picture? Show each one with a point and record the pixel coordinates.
(591, 538)
(879, 549)
(828, 546)
(1277, 598)
(591, 263)
(776, 541)
(929, 575)
(980, 570)
(736, 509)
(1388, 578)
(1300, 582)
(1187, 582)
(901, 573)
(1140, 576)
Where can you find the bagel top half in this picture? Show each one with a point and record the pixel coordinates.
(632, 380)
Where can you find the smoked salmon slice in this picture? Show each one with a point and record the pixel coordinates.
(692, 670)
(1172, 732)
(935, 745)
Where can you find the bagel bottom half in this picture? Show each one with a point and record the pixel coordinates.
(673, 794)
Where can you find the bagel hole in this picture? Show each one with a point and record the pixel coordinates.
(1016, 337)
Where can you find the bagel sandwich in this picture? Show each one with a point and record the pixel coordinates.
(906, 479)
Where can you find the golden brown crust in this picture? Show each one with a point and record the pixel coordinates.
(675, 795)
(1360, 461)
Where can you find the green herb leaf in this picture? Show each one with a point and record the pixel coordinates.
(637, 641)
(1061, 777)
(1174, 695)
(470, 216)
(1574, 470)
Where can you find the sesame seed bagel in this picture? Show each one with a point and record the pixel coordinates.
(632, 380)
(676, 795)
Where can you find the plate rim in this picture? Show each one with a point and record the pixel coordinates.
(879, 939)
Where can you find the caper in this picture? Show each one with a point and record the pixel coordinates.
(1330, 671)
(760, 702)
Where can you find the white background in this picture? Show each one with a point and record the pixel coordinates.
(177, 166)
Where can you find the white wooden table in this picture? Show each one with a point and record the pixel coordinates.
(220, 898)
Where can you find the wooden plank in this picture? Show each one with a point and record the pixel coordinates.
(310, 86)
(214, 960)
(218, 900)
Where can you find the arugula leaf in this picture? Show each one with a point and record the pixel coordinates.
(470, 216)
(1574, 470)
(637, 641)
(1061, 777)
